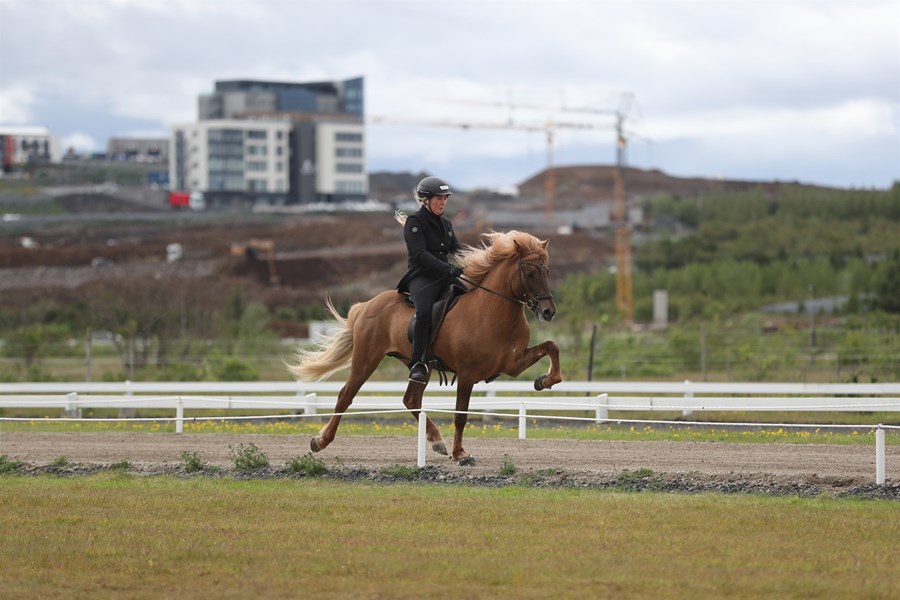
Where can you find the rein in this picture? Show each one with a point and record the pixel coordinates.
(529, 302)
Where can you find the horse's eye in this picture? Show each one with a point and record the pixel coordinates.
(530, 274)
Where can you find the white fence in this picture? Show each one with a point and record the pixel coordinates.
(597, 396)
(519, 397)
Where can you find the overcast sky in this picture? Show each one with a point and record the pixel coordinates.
(804, 90)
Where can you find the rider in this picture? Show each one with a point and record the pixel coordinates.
(429, 243)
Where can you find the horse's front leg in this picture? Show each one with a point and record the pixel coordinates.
(534, 354)
(463, 393)
(412, 400)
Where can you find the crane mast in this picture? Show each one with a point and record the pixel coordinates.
(619, 213)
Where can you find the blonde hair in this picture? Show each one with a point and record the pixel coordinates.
(476, 262)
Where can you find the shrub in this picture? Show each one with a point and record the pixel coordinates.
(248, 457)
(7, 465)
(307, 465)
(507, 467)
(235, 370)
(192, 462)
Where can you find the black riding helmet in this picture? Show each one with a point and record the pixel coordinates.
(432, 186)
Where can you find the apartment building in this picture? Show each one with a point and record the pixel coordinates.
(323, 159)
(234, 162)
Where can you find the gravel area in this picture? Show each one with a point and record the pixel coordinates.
(773, 469)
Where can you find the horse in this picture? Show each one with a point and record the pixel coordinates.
(484, 336)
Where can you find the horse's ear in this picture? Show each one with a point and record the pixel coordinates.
(519, 249)
(544, 244)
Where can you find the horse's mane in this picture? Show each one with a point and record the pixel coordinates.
(477, 262)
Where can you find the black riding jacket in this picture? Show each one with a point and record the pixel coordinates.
(429, 242)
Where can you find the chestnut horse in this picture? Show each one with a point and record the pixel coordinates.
(485, 335)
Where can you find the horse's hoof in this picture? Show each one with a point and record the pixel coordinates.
(466, 461)
(314, 444)
(539, 382)
(440, 448)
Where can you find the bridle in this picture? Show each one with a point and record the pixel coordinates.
(531, 302)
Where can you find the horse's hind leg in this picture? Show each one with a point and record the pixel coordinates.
(359, 373)
(412, 400)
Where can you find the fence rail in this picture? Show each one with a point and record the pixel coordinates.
(517, 397)
(602, 396)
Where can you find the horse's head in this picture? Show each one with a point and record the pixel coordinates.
(534, 272)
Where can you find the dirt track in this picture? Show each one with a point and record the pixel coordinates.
(846, 465)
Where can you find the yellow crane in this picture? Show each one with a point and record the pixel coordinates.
(624, 296)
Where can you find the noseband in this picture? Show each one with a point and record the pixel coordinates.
(532, 302)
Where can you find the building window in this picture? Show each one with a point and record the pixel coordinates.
(257, 134)
(348, 187)
(344, 136)
(348, 152)
(257, 165)
(349, 168)
(256, 185)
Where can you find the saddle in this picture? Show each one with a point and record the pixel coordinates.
(438, 312)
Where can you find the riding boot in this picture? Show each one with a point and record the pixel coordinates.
(418, 369)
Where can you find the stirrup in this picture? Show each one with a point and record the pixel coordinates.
(417, 374)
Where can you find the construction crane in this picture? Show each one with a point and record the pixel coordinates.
(547, 128)
(624, 295)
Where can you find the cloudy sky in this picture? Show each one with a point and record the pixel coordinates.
(804, 90)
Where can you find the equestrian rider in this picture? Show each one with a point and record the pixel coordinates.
(429, 243)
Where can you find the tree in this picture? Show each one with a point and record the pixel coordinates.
(30, 341)
(887, 284)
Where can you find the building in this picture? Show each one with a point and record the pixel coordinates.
(142, 150)
(233, 162)
(238, 98)
(325, 152)
(23, 145)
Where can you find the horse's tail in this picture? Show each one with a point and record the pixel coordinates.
(332, 353)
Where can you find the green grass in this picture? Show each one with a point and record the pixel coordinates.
(118, 535)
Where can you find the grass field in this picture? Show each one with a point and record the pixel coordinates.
(119, 535)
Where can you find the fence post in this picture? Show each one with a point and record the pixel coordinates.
(179, 415)
(601, 413)
(879, 455)
(310, 408)
(128, 411)
(688, 395)
(423, 420)
(523, 417)
(72, 411)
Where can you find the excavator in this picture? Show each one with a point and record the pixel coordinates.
(252, 248)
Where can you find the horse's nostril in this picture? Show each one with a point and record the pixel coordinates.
(549, 313)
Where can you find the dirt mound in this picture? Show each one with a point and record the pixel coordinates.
(353, 256)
